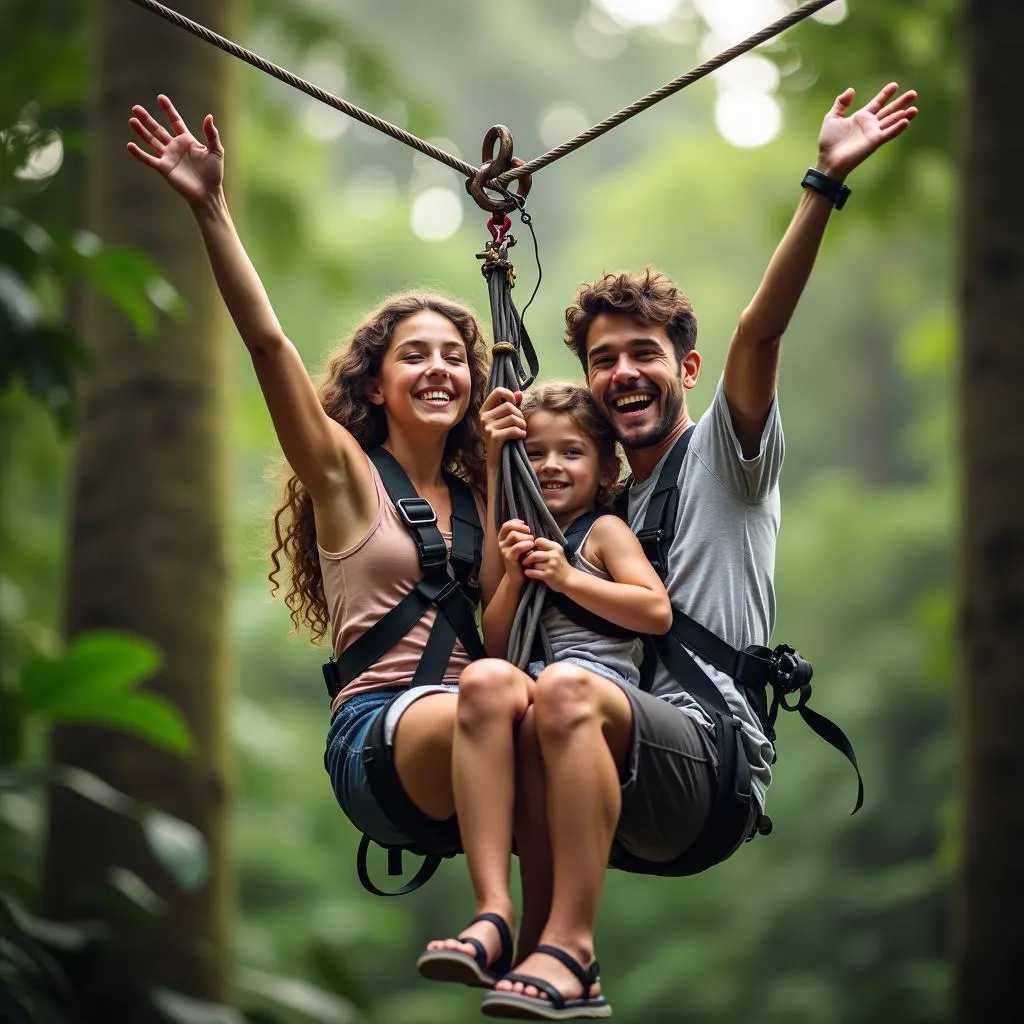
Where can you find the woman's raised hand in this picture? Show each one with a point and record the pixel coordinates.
(502, 420)
(193, 169)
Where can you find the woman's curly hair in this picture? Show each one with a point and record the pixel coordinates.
(343, 396)
(576, 402)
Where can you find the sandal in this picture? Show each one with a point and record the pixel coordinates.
(519, 1006)
(451, 965)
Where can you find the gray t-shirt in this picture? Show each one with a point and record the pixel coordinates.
(722, 557)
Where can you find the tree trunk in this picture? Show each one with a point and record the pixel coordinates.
(148, 523)
(990, 933)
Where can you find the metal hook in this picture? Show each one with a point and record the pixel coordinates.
(491, 166)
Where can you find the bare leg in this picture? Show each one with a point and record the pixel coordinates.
(493, 697)
(533, 843)
(584, 725)
(423, 753)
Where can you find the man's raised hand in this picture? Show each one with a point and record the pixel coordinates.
(847, 140)
(193, 169)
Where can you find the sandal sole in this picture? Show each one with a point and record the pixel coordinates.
(453, 967)
(514, 1007)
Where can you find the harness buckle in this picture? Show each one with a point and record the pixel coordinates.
(650, 541)
(416, 511)
(788, 670)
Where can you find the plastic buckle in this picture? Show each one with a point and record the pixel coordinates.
(650, 541)
(451, 589)
(416, 511)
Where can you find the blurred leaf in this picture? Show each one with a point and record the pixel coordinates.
(144, 715)
(337, 972)
(298, 995)
(57, 934)
(15, 252)
(97, 663)
(121, 275)
(179, 846)
(181, 1009)
(135, 893)
(93, 788)
(87, 683)
(18, 304)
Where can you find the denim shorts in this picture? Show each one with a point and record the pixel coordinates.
(343, 760)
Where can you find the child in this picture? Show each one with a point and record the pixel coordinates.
(607, 575)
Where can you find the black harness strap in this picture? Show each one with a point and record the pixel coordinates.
(656, 534)
(433, 840)
(446, 590)
(754, 669)
(574, 538)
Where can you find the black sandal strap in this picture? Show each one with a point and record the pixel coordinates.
(586, 976)
(556, 997)
(479, 952)
(503, 961)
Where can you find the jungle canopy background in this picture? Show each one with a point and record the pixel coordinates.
(831, 920)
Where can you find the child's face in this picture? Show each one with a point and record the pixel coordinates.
(566, 462)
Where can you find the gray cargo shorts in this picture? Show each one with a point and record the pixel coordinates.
(668, 780)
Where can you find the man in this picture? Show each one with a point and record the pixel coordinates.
(603, 764)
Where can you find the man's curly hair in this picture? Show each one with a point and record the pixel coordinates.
(651, 297)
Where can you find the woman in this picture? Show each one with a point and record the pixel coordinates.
(411, 383)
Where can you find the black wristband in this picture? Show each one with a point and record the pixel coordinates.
(831, 189)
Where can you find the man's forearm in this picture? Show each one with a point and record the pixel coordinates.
(768, 315)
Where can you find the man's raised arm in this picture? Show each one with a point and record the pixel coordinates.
(752, 365)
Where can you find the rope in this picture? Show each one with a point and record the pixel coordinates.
(468, 170)
(308, 88)
(519, 494)
(770, 32)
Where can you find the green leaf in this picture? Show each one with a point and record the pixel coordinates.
(297, 995)
(179, 846)
(124, 276)
(15, 778)
(93, 788)
(134, 893)
(55, 934)
(144, 715)
(181, 1009)
(20, 305)
(95, 665)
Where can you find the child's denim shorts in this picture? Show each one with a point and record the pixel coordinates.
(343, 760)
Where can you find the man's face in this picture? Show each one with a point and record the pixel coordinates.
(635, 379)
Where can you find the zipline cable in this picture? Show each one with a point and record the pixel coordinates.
(522, 170)
(262, 64)
(770, 32)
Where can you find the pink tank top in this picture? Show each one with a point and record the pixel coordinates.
(365, 582)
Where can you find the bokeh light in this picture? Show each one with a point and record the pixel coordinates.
(436, 214)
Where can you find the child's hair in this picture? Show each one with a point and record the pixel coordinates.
(576, 402)
(343, 396)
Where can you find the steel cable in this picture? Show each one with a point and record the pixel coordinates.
(441, 156)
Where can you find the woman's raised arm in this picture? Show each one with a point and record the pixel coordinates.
(324, 456)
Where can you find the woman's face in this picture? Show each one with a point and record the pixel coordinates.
(425, 383)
